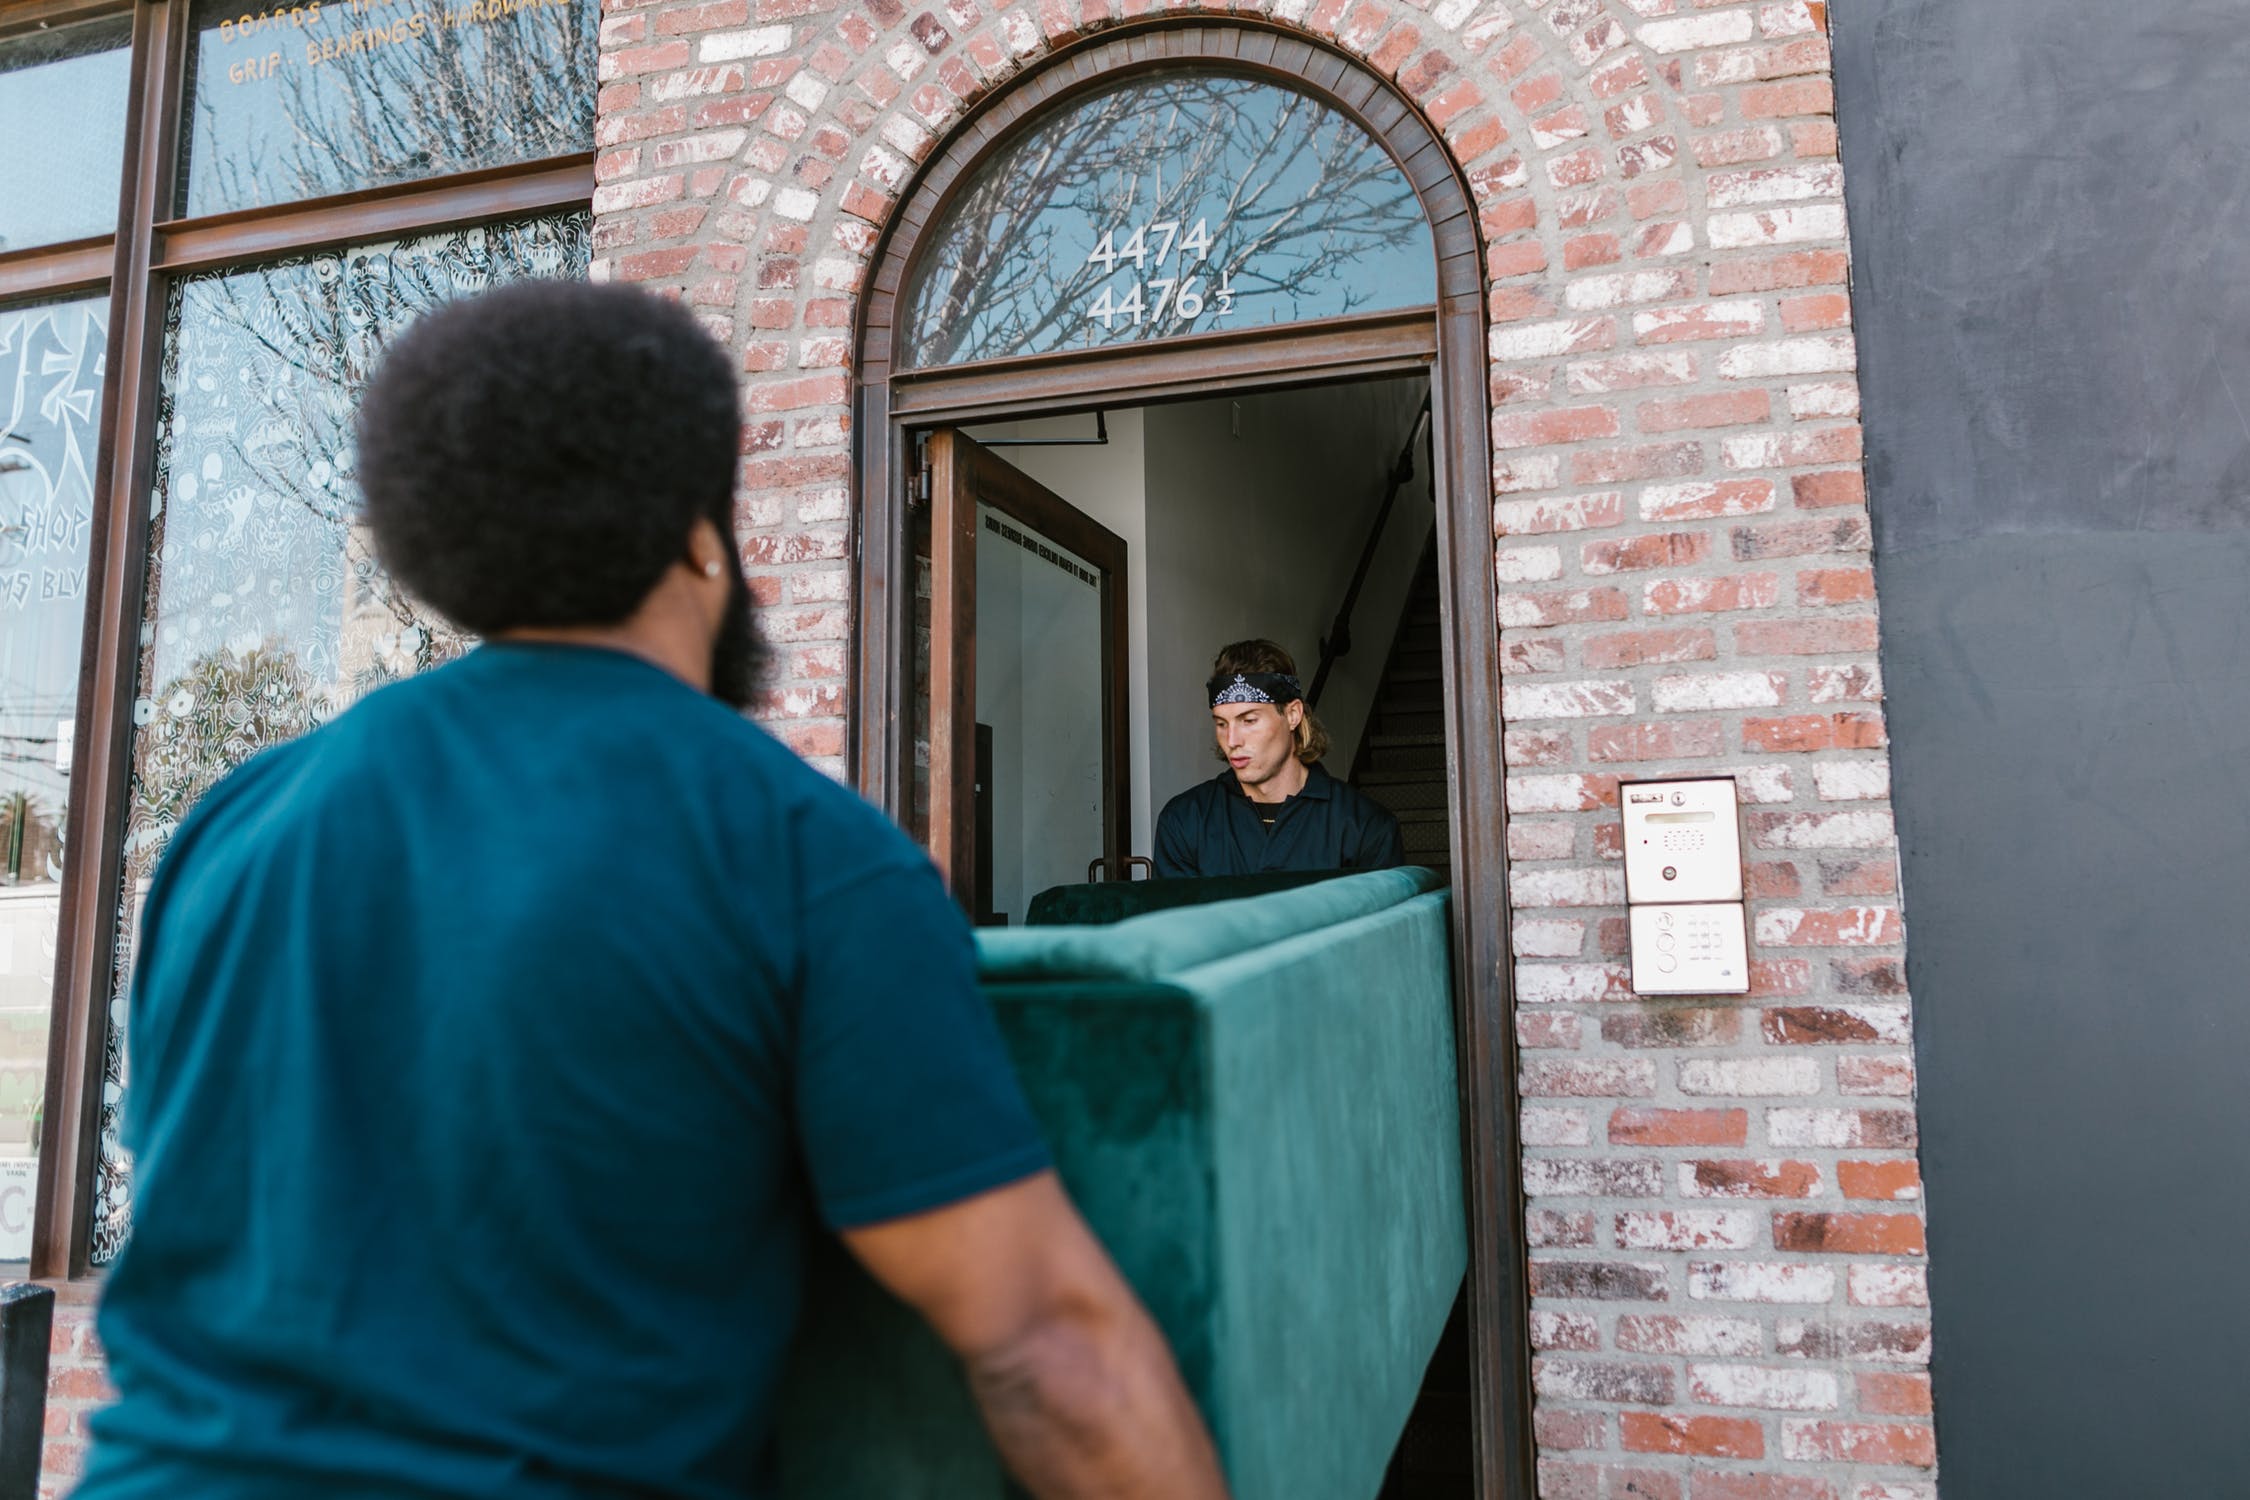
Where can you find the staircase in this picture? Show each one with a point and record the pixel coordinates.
(1401, 764)
(1401, 760)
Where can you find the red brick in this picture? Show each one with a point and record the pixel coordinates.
(1849, 1234)
(1574, 424)
(1812, 96)
(1804, 734)
(1634, 648)
(1766, 882)
(1832, 487)
(1753, 1179)
(1802, 268)
(1708, 1486)
(1726, 409)
(1560, 1430)
(1805, 637)
(1516, 258)
(1599, 1281)
(1671, 1025)
(1677, 1432)
(1650, 461)
(1860, 1443)
(1894, 1395)
(1895, 1181)
(1817, 586)
(1679, 1127)
(1669, 549)
(1592, 250)
(1828, 310)
(1676, 596)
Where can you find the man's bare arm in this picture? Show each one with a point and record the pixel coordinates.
(1075, 1382)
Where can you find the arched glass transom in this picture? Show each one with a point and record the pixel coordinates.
(1175, 203)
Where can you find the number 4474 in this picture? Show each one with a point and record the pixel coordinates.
(1196, 244)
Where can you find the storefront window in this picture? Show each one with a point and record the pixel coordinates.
(67, 187)
(1184, 203)
(295, 101)
(266, 613)
(50, 404)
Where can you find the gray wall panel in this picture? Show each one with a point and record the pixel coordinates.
(2050, 207)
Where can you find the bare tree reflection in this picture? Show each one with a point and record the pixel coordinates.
(467, 84)
(1308, 217)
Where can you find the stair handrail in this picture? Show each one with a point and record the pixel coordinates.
(1338, 642)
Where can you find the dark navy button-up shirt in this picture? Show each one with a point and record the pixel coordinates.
(1214, 829)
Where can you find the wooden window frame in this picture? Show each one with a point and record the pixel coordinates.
(891, 406)
(137, 264)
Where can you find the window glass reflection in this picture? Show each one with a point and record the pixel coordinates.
(295, 101)
(1183, 203)
(65, 90)
(266, 613)
(50, 402)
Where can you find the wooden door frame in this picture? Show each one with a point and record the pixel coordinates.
(960, 464)
(1447, 341)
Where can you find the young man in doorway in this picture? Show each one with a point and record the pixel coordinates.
(497, 1046)
(1274, 807)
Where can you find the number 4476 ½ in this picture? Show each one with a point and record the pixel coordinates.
(1181, 297)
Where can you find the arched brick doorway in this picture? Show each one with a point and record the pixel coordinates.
(1447, 341)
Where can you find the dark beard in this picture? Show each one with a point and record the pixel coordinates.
(738, 656)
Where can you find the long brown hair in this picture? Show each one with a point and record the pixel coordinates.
(1265, 656)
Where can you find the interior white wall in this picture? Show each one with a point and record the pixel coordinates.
(1241, 517)
(1258, 507)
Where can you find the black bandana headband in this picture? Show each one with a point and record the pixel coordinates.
(1254, 687)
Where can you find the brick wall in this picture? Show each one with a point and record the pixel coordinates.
(76, 1385)
(1723, 1200)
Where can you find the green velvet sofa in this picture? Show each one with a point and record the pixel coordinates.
(1253, 1102)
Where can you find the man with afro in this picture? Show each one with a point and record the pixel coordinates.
(498, 1047)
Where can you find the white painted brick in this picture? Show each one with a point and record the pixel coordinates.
(1693, 499)
(1592, 1177)
(1572, 984)
(1712, 692)
(1521, 701)
(1538, 794)
(1543, 1126)
(1730, 1338)
(1790, 18)
(1890, 1286)
(1719, 29)
(1894, 1489)
(1852, 683)
(1603, 885)
(1553, 937)
(1814, 356)
(1631, 371)
(1763, 784)
(1852, 780)
(1449, 14)
(1835, 830)
(1537, 472)
(1743, 316)
(1626, 289)
(1691, 1229)
(1549, 340)
(1776, 226)
(1765, 1388)
(1760, 1281)
(1528, 564)
(808, 90)
(1773, 185)
(1826, 398)
(796, 203)
(732, 46)
(1820, 1129)
(1750, 1077)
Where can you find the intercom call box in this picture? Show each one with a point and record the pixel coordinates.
(1683, 887)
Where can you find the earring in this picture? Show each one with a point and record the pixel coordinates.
(713, 568)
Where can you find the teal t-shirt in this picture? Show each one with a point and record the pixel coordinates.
(494, 1051)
